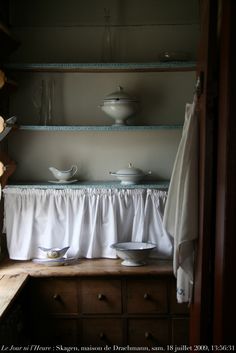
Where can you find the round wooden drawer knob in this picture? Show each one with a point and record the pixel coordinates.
(147, 335)
(146, 296)
(56, 296)
(102, 336)
(101, 296)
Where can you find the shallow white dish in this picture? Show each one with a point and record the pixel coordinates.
(54, 262)
(133, 253)
(62, 181)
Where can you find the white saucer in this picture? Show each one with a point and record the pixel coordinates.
(54, 262)
(63, 181)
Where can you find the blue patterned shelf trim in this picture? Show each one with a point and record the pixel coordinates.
(99, 127)
(162, 66)
(91, 185)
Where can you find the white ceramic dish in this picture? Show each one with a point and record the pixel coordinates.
(127, 179)
(133, 253)
(64, 175)
(55, 262)
(119, 111)
(54, 253)
(62, 181)
(130, 175)
(119, 106)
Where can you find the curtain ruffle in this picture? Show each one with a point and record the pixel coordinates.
(87, 220)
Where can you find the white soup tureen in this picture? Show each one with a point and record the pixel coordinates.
(130, 175)
(119, 105)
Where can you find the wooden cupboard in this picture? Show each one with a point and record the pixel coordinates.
(131, 317)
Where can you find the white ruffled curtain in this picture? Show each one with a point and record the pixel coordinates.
(87, 220)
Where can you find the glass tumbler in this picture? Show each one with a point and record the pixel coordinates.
(43, 97)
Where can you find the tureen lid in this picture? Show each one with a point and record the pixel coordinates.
(119, 95)
(130, 171)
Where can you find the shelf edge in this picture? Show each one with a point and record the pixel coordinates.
(161, 185)
(99, 127)
(104, 67)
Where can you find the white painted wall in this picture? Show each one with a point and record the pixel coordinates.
(95, 153)
(72, 30)
(77, 96)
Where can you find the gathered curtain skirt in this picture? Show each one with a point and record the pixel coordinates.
(87, 220)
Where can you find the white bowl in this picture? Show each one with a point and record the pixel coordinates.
(133, 253)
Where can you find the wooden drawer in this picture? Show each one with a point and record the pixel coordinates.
(55, 331)
(100, 332)
(101, 296)
(147, 296)
(54, 296)
(180, 331)
(148, 332)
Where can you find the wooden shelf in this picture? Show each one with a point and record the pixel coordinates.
(104, 67)
(99, 127)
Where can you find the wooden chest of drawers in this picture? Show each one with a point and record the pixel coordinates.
(110, 311)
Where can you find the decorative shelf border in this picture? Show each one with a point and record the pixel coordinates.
(90, 185)
(99, 127)
(104, 67)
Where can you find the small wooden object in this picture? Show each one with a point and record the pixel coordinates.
(2, 168)
(2, 79)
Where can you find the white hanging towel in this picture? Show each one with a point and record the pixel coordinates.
(181, 211)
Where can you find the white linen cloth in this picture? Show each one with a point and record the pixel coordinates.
(181, 209)
(87, 220)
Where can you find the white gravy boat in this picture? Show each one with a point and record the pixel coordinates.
(54, 253)
(64, 175)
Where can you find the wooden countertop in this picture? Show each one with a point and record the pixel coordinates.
(10, 285)
(86, 267)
